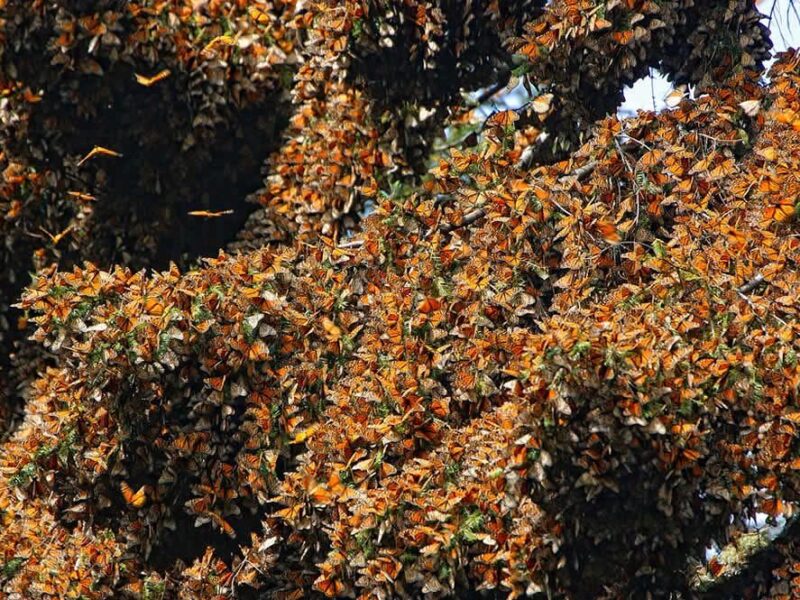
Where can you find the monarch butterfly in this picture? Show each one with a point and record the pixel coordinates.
(675, 97)
(99, 151)
(257, 351)
(222, 524)
(462, 160)
(781, 212)
(289, 514)
(751, 107)
(137, 499)
(769, 153)
(208, 214)
(651, 158)
(227, 40)
(30, 97)
(530, 50)
(321, 495)
(154, 306)
(772, 506)
(428, 305)
(503, 118)
(548, 38)
(149, 81)
(82, 196)
(259, 15)
(599, 23)
(55, 239)
(722, 170)
(332, 331)
(332, 588)
(623, 38)
(609, 231)
(302, 436)
(541, 104)
(715, 566)
(216, 383)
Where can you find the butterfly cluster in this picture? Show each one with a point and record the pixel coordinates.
(698, 43)
(118, 119)
(514, 376)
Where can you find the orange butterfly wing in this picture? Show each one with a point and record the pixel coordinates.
(136, 499)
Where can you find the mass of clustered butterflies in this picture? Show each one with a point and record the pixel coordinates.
(559, 360)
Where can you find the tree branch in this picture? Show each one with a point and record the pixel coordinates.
(752, 284)
(468, 219)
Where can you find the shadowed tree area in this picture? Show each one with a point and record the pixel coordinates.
(283, 316)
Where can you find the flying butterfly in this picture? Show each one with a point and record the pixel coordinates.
(210, 214)
(82, 196)
(99, 151)
(226, 40)
(305, 434)
(136, 499)
(149, 81)
(751, 107)
(542, 104)
(608, 231)
(259, 15)
(55, 239)
(332, 331)
(675, 97)
(222, 524)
